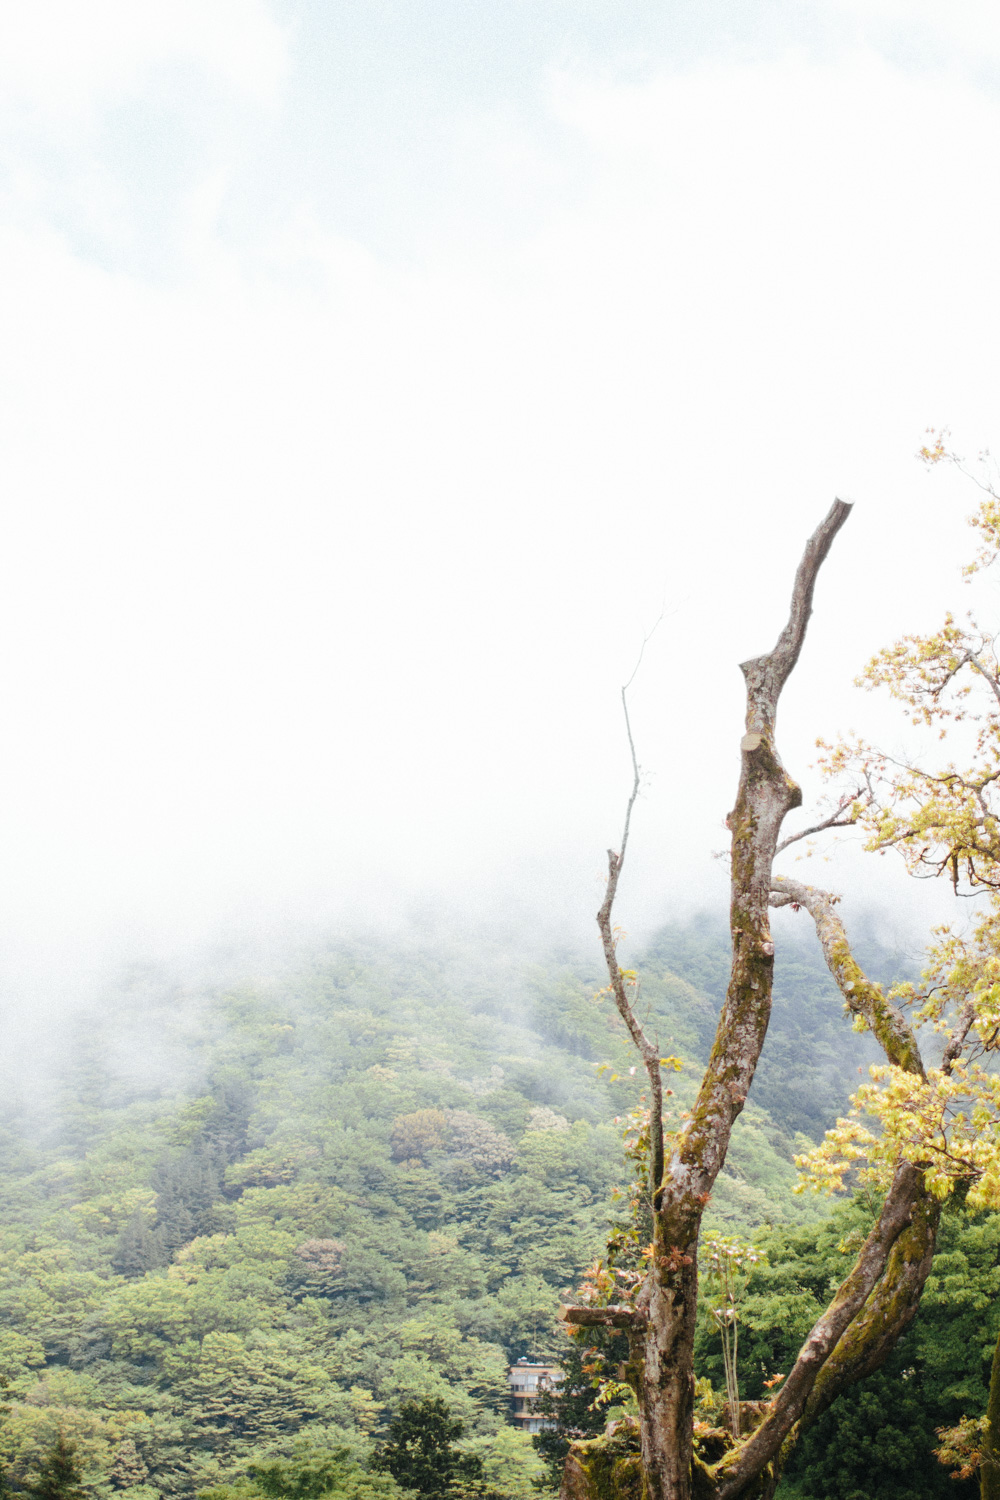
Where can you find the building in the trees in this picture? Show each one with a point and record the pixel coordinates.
(527, 1382)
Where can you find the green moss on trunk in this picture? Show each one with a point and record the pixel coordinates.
(607, 1467)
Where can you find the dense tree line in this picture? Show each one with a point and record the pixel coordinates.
(367, 1183)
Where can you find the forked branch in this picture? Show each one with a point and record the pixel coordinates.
(844, 815)
(879, 1298)
(661, 1325)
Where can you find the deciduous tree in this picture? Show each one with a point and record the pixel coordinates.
(934, 1127)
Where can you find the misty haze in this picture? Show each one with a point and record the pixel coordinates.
(384, 387)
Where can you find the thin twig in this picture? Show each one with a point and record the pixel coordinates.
(648, 1051)
(833, 821)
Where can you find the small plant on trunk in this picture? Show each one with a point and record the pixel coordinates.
(728, 1265)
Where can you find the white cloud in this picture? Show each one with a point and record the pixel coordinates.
(60, 57)
(944, 34)
(323, 573)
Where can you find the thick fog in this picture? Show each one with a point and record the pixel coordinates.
(374, 377)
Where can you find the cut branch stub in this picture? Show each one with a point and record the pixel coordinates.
(602, 1317)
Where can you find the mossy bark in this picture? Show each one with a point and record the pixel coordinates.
(605, 1468)
(665, 1375)
(868, 1313)
(880, 1295)
(664, 1379)
(889, 1310)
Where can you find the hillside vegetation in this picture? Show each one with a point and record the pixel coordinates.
(252, 1223)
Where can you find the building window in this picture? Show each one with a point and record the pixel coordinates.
(528, 1379)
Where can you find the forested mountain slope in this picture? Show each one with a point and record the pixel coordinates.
(246, 1221)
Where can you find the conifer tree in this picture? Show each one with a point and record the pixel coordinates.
(420, 1454)
(59, 1474)
(127, 1466)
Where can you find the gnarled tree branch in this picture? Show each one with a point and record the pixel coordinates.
(848, 1322)
(765, 794)
(888, 1312)
(876, 1302)
(863, 997)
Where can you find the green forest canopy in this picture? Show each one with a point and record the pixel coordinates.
(247, 1226)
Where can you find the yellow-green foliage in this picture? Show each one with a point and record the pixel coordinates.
(942, 815)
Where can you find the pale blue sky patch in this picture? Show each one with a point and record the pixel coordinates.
(395, 123)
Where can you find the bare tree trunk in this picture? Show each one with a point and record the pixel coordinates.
(665, 1379)
(880, 1295)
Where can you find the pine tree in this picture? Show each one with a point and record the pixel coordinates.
(127, 1467)
(139, 1248)
(59, 1474)
(420, 1454)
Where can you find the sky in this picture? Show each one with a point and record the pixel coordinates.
(376, 375)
